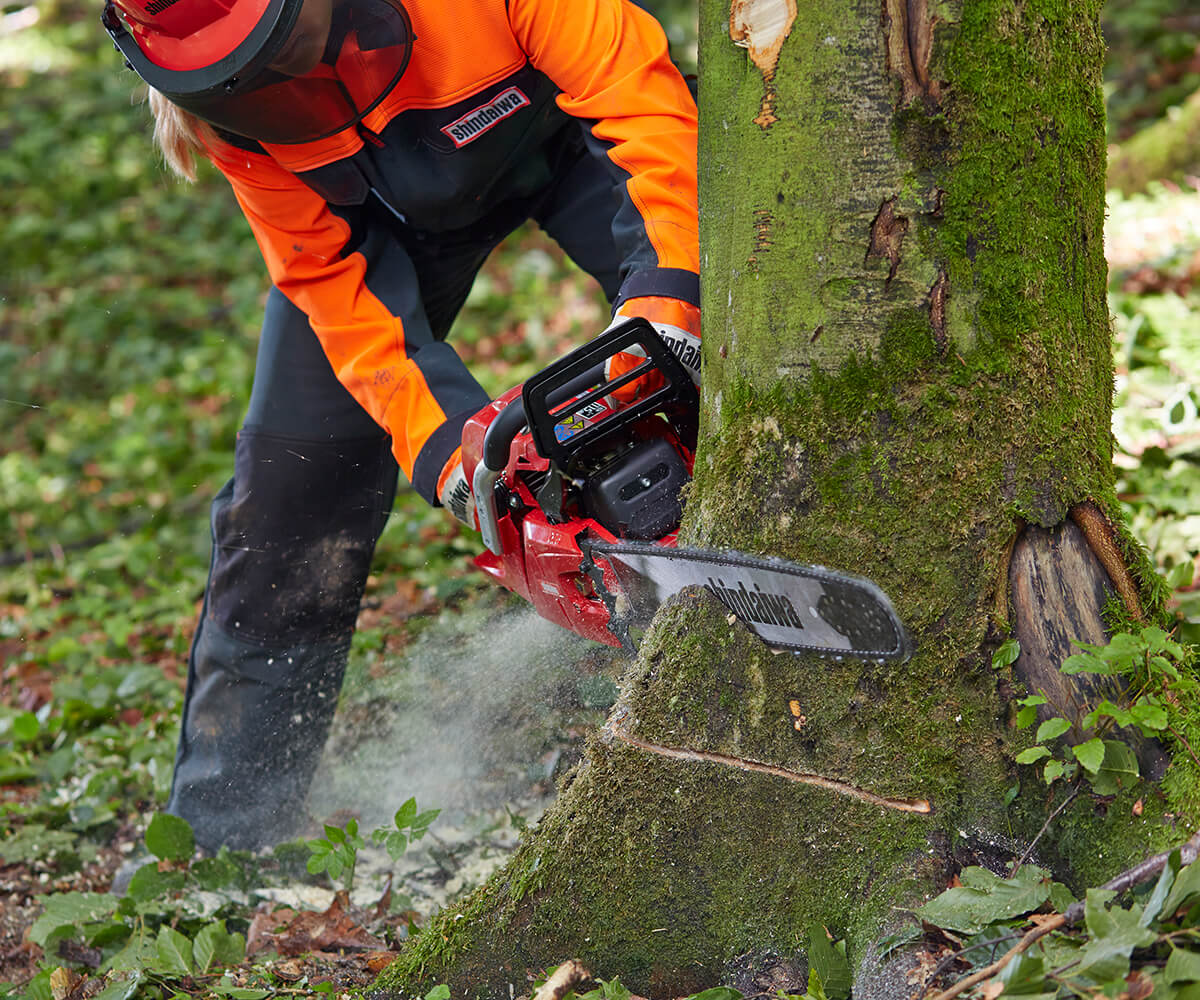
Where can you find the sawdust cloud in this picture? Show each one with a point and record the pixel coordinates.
(473, 715)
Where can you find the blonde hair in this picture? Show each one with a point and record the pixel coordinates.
(179, 135)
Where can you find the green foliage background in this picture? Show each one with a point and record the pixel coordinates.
(129, 310)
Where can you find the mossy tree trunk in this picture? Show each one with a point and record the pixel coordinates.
(907, 376)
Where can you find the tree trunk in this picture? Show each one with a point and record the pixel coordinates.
(907, 376)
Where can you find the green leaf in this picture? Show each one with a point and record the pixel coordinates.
(831, 965)
(1166, 879)
(214, 945)
(1060, 896)
(1032, 755)
(405, 814)
(1054, 770)
(1007, 653)
(1026, 717)
(1084, 663)
(612, 989)
(1119, 715)
(1090, 754)
(25, 728)
(1183, 966)
(70, 909)
(1119, 770)
(1052, 728)
(149, 883)
(1180, 575)
(1024, 975)
(1150, 718)
(170, 838)
(335, 834)
(1184, 891)
(984, 898)
(439, 992)
(1115, 932)
(225, 988)
(174, 952)
(719, 993)
(139, 955)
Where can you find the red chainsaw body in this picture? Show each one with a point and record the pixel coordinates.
(542, 559)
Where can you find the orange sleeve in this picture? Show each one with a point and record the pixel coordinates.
(312, 263)
(610, 60)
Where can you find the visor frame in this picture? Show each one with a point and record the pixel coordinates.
(233, 74)
(250, 56)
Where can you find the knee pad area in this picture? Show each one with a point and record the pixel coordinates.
(294, 534)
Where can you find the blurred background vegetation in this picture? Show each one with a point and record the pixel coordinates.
(129, 310)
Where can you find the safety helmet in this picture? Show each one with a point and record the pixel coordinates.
(278, 71)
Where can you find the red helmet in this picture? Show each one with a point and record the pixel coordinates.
(279, 71)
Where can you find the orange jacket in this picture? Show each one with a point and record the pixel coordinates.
(463, 135)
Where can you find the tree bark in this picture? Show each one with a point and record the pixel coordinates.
(907, 365)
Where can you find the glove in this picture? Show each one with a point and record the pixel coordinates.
(677, 322)
(454, 492)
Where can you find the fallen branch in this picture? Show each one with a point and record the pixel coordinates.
(1139, 873)
(566, 977)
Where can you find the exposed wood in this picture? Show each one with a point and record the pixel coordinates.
(1058, 588)
(762, 26)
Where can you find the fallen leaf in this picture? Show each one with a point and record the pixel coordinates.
(308, 930)
(62, 982)
(377, 961)
(288, 971)
(1138, 985)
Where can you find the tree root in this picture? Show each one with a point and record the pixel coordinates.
(1136, 875)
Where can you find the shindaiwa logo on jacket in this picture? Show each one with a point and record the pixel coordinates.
(477, 121)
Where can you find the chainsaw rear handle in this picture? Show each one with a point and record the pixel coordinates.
(497, 444)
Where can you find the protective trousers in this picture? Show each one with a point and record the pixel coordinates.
(294, 530)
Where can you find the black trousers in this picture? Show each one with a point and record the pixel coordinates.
(294, 530)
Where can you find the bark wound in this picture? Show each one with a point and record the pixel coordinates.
(761, 26)
(1058, 586)
(762, 234)
(937, 311)
(921, 806)
(887, 236)
(908, 29)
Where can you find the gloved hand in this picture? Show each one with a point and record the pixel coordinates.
(677, 322)
(454, 492)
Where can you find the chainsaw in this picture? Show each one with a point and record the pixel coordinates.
(579, 496)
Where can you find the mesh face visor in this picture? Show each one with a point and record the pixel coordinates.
(364, 51)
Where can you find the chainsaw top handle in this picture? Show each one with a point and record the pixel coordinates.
(559, 392)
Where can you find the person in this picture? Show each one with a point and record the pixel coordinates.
(380, 150)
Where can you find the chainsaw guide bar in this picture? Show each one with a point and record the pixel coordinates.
(792, 608)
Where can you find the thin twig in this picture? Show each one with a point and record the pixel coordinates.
(1179, 736)
(1045, 826)
(1139, 873)
(949, 960)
